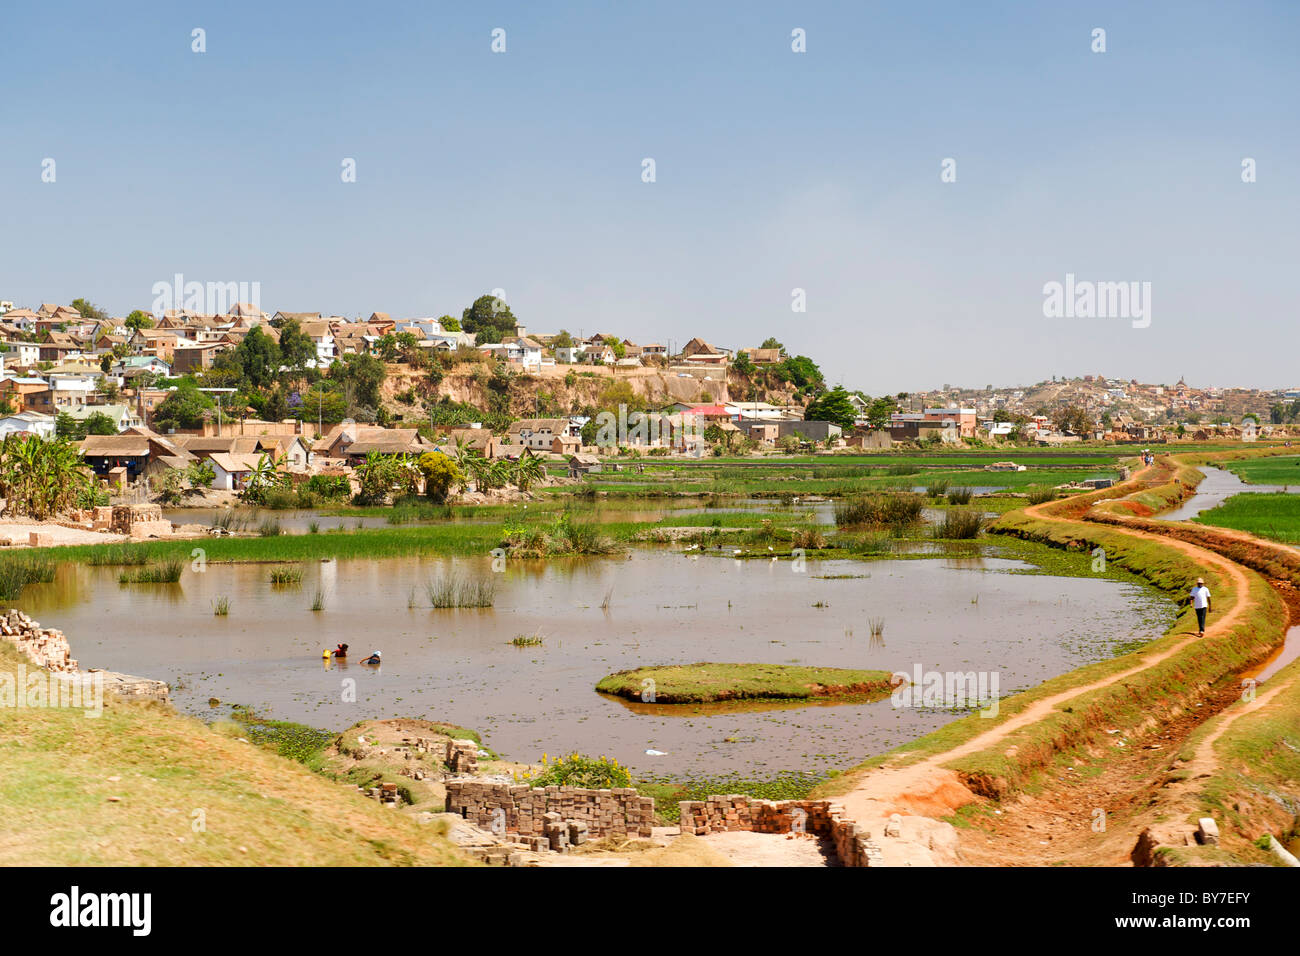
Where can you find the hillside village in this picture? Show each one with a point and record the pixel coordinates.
(245, 392)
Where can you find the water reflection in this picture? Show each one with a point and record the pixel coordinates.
(596, 616)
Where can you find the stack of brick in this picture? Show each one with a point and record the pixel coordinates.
(733, 812)
(98, 518)
(619, 812)
(44, 647)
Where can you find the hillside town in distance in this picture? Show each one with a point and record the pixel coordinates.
(240, 393)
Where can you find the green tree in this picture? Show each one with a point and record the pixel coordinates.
(138, 320)
(449, 323)
(89, 310)
(834, 406)
(771, 343)
(258, 357)
(802, 372)
(489, 318)
(327, 404)
(296, 346)
(879, 412)
(65, 426)
(183, 408)
(363, 374)
(97, 423)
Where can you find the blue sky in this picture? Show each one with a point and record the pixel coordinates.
(775, 171)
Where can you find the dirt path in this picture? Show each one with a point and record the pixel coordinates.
(929, 788)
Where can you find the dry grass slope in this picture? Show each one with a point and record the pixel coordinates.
(128, 788)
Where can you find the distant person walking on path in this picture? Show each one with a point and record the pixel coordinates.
(1200, 598)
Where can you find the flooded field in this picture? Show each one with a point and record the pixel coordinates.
(968, 614)
(1219, 485)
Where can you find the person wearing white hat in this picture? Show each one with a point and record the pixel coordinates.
(1200, 598)
(373, 658)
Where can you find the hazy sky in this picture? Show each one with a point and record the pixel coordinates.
(775, 170)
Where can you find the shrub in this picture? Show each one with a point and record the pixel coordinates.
(328, 487)
(808, 538)
(959, 523)
(937, 488)
(960, 496)
(280, 499)
(577, 770)
(1039, 495)
(895, 511)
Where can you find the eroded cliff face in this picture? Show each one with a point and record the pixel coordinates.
(563, 387)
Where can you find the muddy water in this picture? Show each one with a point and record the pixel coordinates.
(1219, 485)
(458, 665)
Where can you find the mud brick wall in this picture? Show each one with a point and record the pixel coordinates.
(140, 521)
(619, 812)
(719, 814)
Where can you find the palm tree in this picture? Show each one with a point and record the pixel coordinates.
(528, 471)
(480, 469)
(41, 478)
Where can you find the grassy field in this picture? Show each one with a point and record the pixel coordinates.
(829, 481)
(1283, 470)
(388, 542)
(140, 785)
(711, 682)
(1275, 516)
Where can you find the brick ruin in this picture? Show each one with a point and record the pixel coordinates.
(49, 648)
(719, 814)
(460, 756)
(44, 647)
(551, 818)
(140, 521)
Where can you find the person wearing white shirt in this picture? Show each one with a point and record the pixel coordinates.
(1200, 598)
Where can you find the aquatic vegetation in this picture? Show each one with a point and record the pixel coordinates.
(959, 523)
(168, 572)
(937, 489)
(286, 574)
(18, 571)
(713, 682)
(126, 553)
(960, 496)
(454, 590)
(562, 536)
(222, 607)
(897, 512)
